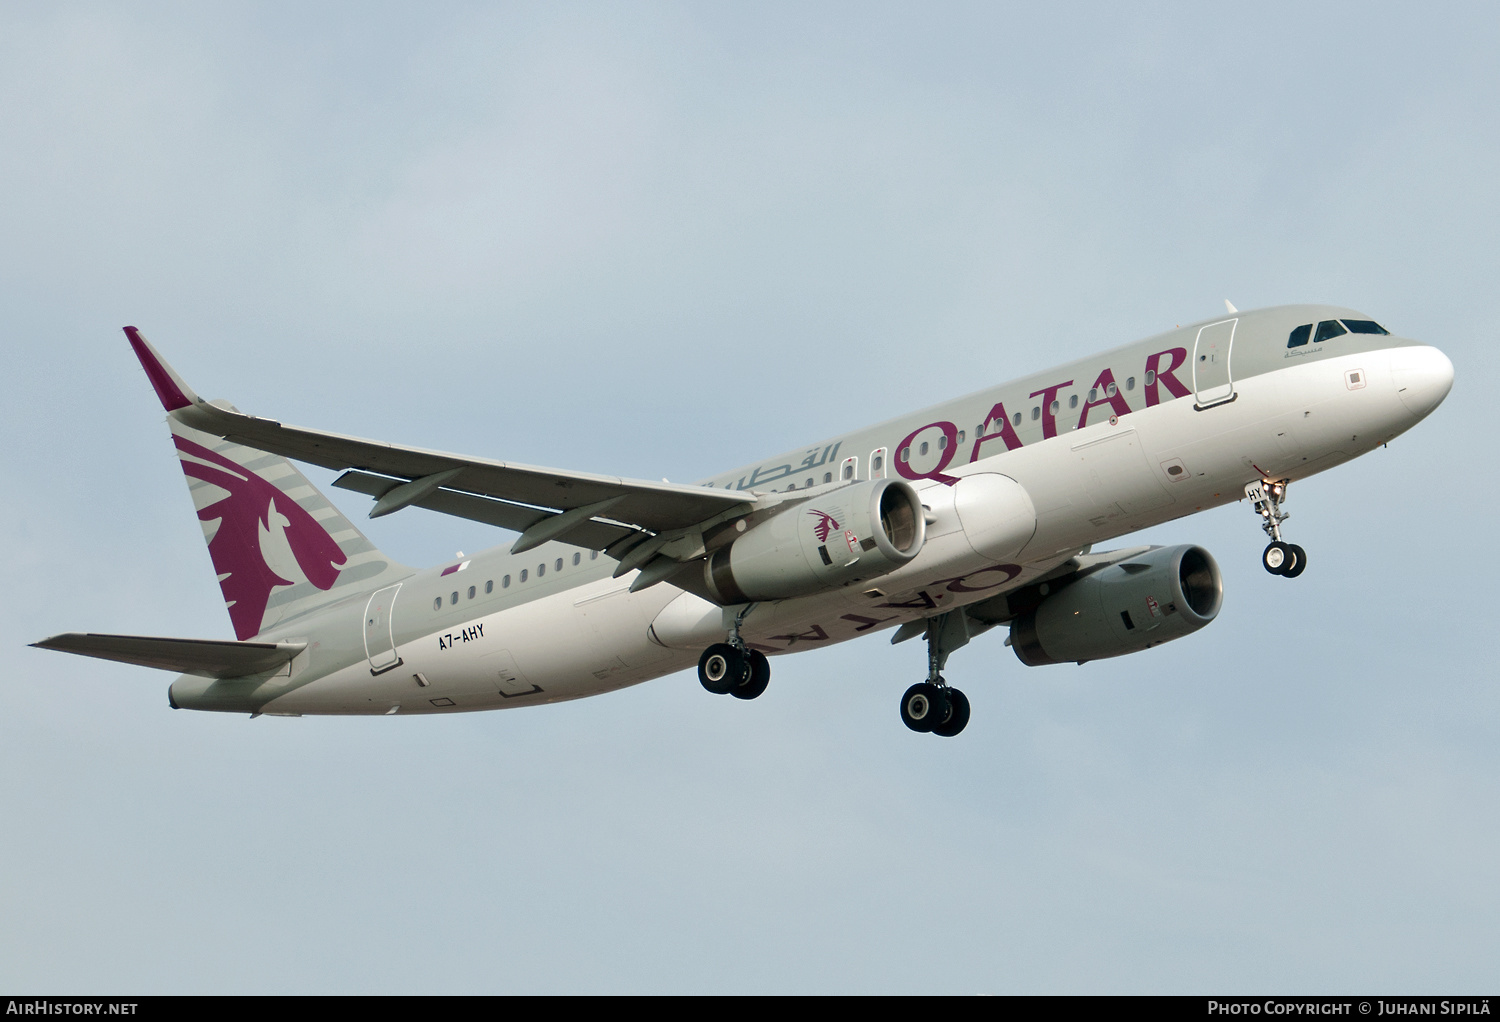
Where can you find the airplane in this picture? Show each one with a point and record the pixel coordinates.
(942, 524)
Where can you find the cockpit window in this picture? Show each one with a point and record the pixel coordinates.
(1329, 328)
(1299, 336)
(1365, 326)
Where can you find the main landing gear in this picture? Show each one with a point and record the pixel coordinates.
(742, 673)
(1279, 558)
(730, 668)
(932, 705)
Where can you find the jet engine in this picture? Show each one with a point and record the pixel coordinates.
(1132, 605)
(849, 535)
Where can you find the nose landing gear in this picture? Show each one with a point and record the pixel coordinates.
(1279, 558)
(932, 705)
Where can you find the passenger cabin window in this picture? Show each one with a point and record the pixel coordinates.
(576, 559)
(1329, 328)
(1299, 336)
(489, 587)
(559, 564)
(1093, 394)
(1364, 326)
(593, 555)
(1017, 418)
(923, 448)
(828, 477)
(1130, 383)
(523, 574)
(904, 455)
(472, 591)
(1053, 407)
(1110, 390)
(505, 582)
(1073, 399)
(1150, 378)
(960, 436)
(454, 598)
(808, 485)
(1036, 412)
(437, 604)
(541, 569)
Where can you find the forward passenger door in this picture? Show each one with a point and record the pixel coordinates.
(1213, 383)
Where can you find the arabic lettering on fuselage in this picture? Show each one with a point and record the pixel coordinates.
(1159, 375)
(816, 458)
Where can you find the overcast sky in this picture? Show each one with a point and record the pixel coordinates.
(664, 240)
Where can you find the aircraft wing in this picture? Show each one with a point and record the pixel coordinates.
(543, 503)
(206, 658)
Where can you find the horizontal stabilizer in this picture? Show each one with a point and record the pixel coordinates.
(206, 658)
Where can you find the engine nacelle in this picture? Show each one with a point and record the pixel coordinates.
(850, 535)
(1140, 602)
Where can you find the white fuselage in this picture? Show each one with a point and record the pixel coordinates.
(1111, 477)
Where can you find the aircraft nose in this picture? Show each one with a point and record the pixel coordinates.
(1423, 376)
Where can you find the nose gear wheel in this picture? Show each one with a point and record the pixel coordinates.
(1279, 558)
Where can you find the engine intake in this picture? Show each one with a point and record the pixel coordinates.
(846, 536)
(1141, 602)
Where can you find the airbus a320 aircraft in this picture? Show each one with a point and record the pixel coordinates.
(942, 524)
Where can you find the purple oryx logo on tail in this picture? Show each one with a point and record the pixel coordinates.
(253, 507)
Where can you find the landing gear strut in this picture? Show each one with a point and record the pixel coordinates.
(932, 705)
(1287, 559)
(731, 668)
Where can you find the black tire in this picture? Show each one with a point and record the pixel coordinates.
(757, 680)
(1276, 558)
(721, 668)
(924, 707)
(958, 719)
(1299, 565)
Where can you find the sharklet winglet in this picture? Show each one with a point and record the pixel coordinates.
(170, 390)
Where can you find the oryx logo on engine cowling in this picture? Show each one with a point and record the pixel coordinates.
(826, 524)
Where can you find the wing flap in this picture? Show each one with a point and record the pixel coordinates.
(595, 535)
(206, 658)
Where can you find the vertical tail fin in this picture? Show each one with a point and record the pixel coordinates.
(279, 546)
